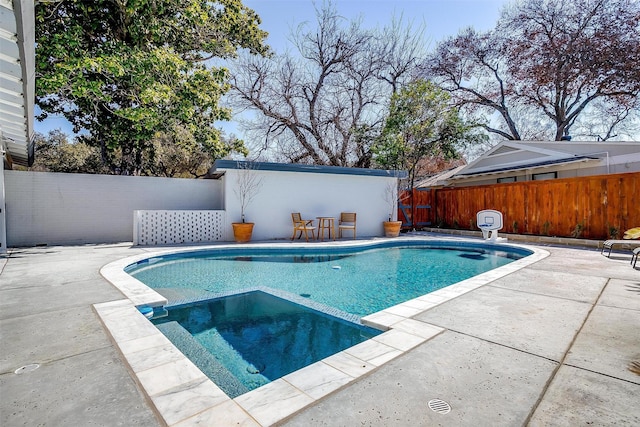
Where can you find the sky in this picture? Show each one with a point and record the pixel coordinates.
(441, 18)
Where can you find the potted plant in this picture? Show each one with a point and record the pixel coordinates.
(391, 227)
(247, 185)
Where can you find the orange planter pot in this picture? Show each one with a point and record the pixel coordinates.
(392, 228)
(242, 231)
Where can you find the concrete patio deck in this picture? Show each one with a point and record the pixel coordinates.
(552, 344)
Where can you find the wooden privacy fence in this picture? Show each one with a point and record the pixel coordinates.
(593, 207)
(414, 208)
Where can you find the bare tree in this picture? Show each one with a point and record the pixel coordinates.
(605, 120)
(321, 103)
(248, 184)
(569, 53)
(472, 67)
(553, 58)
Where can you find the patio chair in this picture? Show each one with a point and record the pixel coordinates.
(634, 257)
(302, 226)
(630, 239)
(347, 221)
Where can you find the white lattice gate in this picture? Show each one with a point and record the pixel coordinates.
(164, 227)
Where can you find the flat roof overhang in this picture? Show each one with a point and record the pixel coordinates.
(17, 80)
(221, 165)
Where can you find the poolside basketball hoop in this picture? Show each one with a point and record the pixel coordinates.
(489, 221)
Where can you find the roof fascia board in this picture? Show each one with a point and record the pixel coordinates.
(221, 165)
(489, 153)
(563, 165)
(539, 152)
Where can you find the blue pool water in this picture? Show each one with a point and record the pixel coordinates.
(353, 280)
(244, 341)
(246, 317)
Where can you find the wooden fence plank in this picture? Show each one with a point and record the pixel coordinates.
(592, 207)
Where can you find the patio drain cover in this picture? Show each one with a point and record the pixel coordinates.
(439, 406)
(27, 368)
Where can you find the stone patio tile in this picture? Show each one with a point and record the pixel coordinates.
(581, 398)
(273, 402)
(188, 400)
(418, 328)
(318, 380)
(50, 298)
(153, 357)
(556, 284)
(399, 339)
(226, 414)
(348, 364)
(622, 293)
(125, 323)
(382, 319)
(404, 310)
(537, 324)
(89, 389)
(172, 375)
(486, 385)
(373, 352)
(608, 343)
(588, 262)
(52, 336)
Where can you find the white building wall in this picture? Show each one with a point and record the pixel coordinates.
(58, 208)
(3, 210)
(311, 194)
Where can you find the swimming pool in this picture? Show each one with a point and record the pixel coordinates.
(246, 317)
(158, 366)
(242, 342)
(355, 280)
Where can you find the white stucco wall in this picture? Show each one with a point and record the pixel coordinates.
(311, 194)
(3, 210)
(58, 208)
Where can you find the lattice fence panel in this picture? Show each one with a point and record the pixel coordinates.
(172, 227)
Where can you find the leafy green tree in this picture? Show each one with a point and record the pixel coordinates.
(422, 124)
(174, 156)
(178, 156)
(55, 153)
(126, 73)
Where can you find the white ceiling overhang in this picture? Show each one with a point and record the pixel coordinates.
(17, 80)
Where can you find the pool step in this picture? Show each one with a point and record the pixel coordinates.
(202, 358)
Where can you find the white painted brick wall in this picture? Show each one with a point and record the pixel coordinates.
(58, 208)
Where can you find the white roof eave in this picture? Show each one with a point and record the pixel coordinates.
(17, 79)
(523, 168)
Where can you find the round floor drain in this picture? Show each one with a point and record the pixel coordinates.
(27, 368)
(439, 406)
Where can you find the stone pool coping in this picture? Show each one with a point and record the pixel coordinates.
(182, 395)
